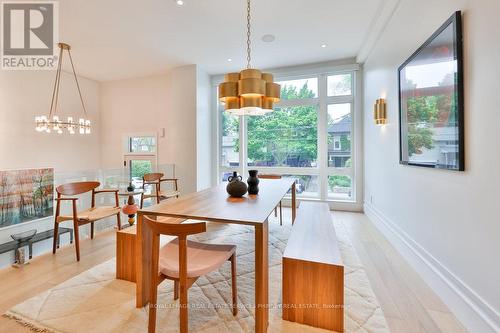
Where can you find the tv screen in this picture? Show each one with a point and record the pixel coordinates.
(431, 101)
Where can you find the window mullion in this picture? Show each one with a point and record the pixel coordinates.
(322, 137)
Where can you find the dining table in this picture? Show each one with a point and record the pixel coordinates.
(215, 205)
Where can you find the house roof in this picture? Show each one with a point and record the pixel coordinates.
(341, 125)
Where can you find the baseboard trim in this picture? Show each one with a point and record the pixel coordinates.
(470, 308)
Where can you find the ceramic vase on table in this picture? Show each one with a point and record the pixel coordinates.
(253, 182)
(236, 188)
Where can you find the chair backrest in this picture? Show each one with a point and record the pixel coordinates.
(264, 176)
(175, 229)
(152, 177)
(76, 188)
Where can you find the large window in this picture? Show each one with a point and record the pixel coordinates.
(310, 137)
(286, 137)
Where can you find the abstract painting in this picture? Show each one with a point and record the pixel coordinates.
(26, 195)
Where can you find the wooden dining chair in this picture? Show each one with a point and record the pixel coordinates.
(155, 180)
(184, 261)
(264, 176)
(90, 215)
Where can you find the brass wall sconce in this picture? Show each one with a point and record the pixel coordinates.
(380, 111)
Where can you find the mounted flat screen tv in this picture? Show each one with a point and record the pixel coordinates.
(431, 101)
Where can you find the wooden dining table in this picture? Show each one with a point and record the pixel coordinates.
(215, 205)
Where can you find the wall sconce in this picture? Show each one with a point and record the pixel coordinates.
(380, 111)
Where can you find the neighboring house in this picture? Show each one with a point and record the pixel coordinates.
(339, 142)
(229, 157)
(445, 150)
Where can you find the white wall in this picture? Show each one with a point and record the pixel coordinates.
(149, 104)
(449, 220)
(24, 95)
(204, 132)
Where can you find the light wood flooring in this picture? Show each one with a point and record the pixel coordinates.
(409, 305)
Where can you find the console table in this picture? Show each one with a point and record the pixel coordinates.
(14, 245)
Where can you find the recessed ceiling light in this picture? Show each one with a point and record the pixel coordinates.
(323, 45)
(179, 2)
(268, 38)
(229, 59)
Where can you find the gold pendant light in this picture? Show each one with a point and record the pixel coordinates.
(52, 123)
(249, 92)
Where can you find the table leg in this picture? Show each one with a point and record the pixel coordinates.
(294, 202)
(261, 277)
(143, 264)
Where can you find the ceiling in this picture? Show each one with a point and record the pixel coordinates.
(116, 39)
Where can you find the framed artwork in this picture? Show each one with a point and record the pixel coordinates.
(431, 101)
(26, 195)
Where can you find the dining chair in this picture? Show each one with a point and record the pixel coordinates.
(155, 180)
(184, 261)
(264, 176)
(86, 216)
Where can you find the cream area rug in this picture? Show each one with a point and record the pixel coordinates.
(95, 301)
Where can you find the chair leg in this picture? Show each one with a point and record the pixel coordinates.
(119, 221)
(176, 290)
(77, 240)
(142, 200)
(281, 214)
(92, 230)
(56, 235)
(234, 286)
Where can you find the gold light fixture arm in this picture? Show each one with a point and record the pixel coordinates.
(77, 84)
(55, 91)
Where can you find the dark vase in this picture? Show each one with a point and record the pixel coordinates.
(235, 187)
(253, 182)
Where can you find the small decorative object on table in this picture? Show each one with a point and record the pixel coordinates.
(236, 188)
(130, 187)
(253, 182)
(130, 208)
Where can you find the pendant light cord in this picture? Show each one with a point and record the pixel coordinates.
(77, 85)
(248, 34)
(55, 92)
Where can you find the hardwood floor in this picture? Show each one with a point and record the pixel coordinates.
(47, 271)
(409, 305)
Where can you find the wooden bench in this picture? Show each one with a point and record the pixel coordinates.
(313, 272)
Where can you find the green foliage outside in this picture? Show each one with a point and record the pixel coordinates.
(139, 168)
(285, 133)
(345, 143)
(339, 181)
(425, 111)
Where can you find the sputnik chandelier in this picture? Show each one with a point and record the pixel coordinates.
(52, 123)
(249, 92)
